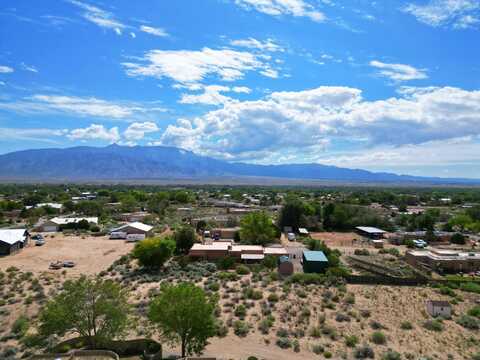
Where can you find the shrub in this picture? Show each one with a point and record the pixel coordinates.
(296, 345)
(306, 279)
(282, 333)
(265, 325)
(240, 328)
(318, 349)
(213, 286)
(315, 332)
(242, 270)
(361, 252)
(391, 355)
(284, 343)
(240, 311)
(272, 297)
(468, 322)
(342, 317)
(20, 326)
(433, 325)
(378, 338)
(364, 352)
(476, 356)
(475, 311)
(222, 329)
(226, 263)
(406, 325)
(351, 341)
(253, 294)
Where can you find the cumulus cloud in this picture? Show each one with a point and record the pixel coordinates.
(100, 17)
(5, 69)
(212, 94)
(302, 123)
(95, 132)
(455, 13)
(398, 72)
(190, 66)
(153, 31)
(251, 43)
(137, 130)
(296, 8)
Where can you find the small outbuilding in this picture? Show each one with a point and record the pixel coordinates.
(12, 240)
(370, 232)
(285, 266)
(439, 308)
(314, 261)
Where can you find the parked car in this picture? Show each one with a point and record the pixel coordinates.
(68, 264)
(40, 242)
(291, 236)
(420, 244)
(37, 237)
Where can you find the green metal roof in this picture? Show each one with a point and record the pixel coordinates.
(315, 256)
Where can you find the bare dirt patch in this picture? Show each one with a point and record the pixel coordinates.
(90, 254)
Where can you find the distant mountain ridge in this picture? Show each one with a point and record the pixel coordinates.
(116, 162)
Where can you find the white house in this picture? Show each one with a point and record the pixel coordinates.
(53, 225)
(137, 228)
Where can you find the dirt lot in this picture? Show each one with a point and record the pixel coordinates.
(91, 254)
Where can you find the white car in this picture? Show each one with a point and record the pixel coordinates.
(40, 242)
(291, 236)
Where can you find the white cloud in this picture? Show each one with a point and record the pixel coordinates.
(5, 69)
(31, 134)
(29, 68)
(251, 43)
(153, 31)
(100, 17)
(271, 73)
(296, 8)
(190, 66)
(300, 124)
(241, 89)
(456, 13)
(95, 132)
(137, 130)
(211, 95)
(133, 35)
(78, 106)
(399, 72)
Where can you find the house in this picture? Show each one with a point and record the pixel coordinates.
(439, 308)
(370, 232)
(55, 206)
(314, 261)
(12, 240)
(451, 261)
(219, 249)
(133, 217)
(53, 225)
(285, 266)
(136, 228)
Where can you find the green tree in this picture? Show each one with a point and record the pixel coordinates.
(153, 252)
(184, 239)
(91, 307)
(291, 214)
(257, 228)
(184, 314)
(458, 238)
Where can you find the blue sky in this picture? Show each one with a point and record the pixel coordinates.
(380, 85)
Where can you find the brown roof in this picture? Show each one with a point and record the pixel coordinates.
(440, 303)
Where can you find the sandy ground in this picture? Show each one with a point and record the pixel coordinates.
(90, 254)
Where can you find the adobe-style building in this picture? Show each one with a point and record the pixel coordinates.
(450, 261)
(219, 249)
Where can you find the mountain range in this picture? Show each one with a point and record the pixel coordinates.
(118, 163)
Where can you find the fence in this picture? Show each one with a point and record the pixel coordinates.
(385, 280)
(79, 354)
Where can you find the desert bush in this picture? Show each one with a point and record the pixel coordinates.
(327, 355)
(433, 325)
(222, 329)
(282, 333)
(391, 355)
(351, 341)
(365, 313)
(315, 332)
(296, 345)
(20, 326)
(375, 325)
(378, 338)
(242, 270)
(406, 325)
(361, 252)
(253, 294)
(240, 328)
(284, 343)
(318, 349)
(340, 317)
(475, 311)
(364, 352)
(468, 322)
(240, 311)
(273, 297)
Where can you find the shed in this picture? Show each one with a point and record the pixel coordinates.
(303, 231)
(378, 244)
(314, 261)
(285, 266)
(370, 232)
(439, 308)
(12, 240)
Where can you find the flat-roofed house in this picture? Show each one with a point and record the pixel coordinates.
(12, 240)
(314, 261)
(218, 249)
(445, 260)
